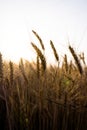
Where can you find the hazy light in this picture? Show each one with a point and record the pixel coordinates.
(58, 20)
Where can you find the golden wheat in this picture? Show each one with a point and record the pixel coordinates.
(66, 63)
(40, 40)
(21, 67)
(41, 56)
(54, 51)
(11, 73)
(77, 61)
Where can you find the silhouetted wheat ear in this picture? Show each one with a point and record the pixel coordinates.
(22, 64)
(41, 56)
(66, 62)
(77, 61)
(54, 51)
(11, 72)
(1, 68)
(70, 67)
(40, 40)
(21, 67)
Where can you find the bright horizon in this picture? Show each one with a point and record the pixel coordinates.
(56, 20)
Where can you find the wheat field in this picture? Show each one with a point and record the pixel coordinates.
(34, 96)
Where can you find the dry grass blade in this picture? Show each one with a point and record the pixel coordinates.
(54, 50)
(77, 61)
(42, 58)
(40, 40)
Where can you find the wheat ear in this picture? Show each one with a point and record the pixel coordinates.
(66, 62)
(40, 40)
(77, 61)
(54, 51)
(11, 73)
(21, 67)
(40, 55)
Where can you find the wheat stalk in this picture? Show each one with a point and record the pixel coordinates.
(40, 55)
(40, 40)
(70, 67)
(54, 51)
(66, 62)
(11, 73)
(21, 66)
(77, 61)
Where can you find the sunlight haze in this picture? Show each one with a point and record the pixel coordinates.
(61, 21)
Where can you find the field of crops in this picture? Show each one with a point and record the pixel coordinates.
(34, 96)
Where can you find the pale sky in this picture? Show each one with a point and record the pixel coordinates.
(56, 20)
